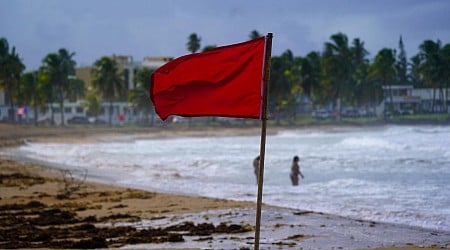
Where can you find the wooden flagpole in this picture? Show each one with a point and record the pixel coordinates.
(266, 77)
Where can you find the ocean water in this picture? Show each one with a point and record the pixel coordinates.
(396, 174)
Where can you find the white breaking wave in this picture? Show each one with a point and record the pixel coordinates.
(396, 174)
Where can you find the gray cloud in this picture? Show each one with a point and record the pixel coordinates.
(160, 28)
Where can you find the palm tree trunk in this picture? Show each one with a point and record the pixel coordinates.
(35, 107)
(110, 113)
(11, 113)
(443, 104)
(391, 97)
(61, 104)
(433, 103)
(52, 114)
(445, 100)
(338, 102)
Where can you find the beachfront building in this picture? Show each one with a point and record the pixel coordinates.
(399, 100)
(433, 100)
(125, 65)
(404, 99)
(128, 68)
(155, 62)
(75, 113)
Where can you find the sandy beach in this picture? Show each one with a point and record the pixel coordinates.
(42, 207)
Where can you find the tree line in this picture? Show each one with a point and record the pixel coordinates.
(342, 74)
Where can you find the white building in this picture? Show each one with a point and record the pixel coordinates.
(76, 109)
(441, 98)
(407, 100)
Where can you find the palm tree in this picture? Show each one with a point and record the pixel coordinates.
(92, 105)
(383, 71)
(193, 44)
(310, 74)
(59, 67)
(208, 47)
(361, 88)
(366, 92)
(280, 82)
(67, 68)
(50, 64)
(336, 67)
(358, 51)
(140, 96)
(76, 89)
(107, 82)
(445, 55)
(32, 92)
(295, 84)
(44, 94)
(46, 91)
(11, 67)
(254, 34)
(431, 69)
(415, 75)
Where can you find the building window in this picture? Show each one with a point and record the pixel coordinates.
(79, 110)
(67, 110)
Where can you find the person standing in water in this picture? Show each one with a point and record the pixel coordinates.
(256, 168)
(295, 171)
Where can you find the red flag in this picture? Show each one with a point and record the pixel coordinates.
(225, 81)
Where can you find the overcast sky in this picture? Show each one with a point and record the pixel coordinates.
(140, 28)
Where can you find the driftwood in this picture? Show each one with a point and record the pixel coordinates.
(71, 183)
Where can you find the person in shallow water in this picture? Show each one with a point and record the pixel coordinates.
(295, 171)
(256, 167)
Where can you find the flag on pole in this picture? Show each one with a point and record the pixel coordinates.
(225, 81)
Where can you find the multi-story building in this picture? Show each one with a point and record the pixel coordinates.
(155, 62)
(399, 99)
(433, 100)
(126, 66)
(404, 99)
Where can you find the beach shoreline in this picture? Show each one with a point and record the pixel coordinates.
(210, 223)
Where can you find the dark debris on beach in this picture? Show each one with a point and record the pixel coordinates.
(36, 225)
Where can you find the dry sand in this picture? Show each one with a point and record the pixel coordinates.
(35, 211)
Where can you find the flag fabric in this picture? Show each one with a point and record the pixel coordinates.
(225, 81)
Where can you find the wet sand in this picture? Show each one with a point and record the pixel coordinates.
(41, 207)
